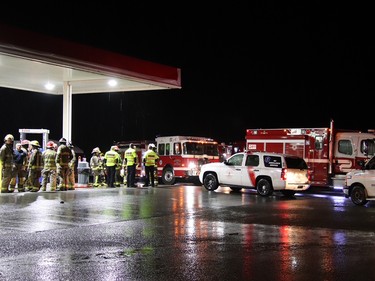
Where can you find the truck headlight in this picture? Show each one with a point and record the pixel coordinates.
(192, 166)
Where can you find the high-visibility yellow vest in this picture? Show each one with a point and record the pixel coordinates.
(130, 156)
(150, 158)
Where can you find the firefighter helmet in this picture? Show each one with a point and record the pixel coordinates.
(151, 146)
(50, 144)
(115, 148)
(62, 140)
(95, 150)
(9, 137)
(35, 143)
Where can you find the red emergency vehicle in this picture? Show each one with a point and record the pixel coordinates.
(182, 157)
(179, 156)
(228, 149)
(330, 153)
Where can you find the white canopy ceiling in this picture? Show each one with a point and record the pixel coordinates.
(37, 63)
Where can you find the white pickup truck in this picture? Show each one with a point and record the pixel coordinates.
(360, 184)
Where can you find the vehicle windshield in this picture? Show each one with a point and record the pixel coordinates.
(368, 147)
(200, 148)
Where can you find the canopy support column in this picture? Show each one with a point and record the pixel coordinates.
(67, 111)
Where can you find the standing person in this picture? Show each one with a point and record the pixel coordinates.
(149, 160)
(26, 145)
(63, 158)
(111, 160)
(118, 168)
(130, 161)
(95, 166)
(49, 167)
(72, 163)
(20, 160)
(156, 178)
(35, 166)
(103, 171)
(7, 165)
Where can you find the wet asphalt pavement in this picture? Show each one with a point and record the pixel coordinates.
(184, 232)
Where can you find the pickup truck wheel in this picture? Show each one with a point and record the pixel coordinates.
(168, 177)
(264, 188)
(210, 182)
(358, 195)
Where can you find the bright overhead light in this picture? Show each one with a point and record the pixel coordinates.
(112, 82)
(49, 86)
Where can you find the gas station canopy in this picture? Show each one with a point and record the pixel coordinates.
(38, 63)
(34, 62)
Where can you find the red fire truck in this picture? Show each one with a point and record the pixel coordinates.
(329, 152)
(180, 156)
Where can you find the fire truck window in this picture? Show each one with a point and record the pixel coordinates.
(252, 160)
(211, 149)
(319, 142)
(177, 148)
(167, 149)
(368, 147)
(161, 149)
(345, 147)
(199, 149)
(189, 148)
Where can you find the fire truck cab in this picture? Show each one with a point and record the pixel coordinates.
(182, 157)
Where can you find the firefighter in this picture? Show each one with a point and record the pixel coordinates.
(35, 167)
(71, 177)
(19, 176)
(149, 160)
(156, 180)
(118, 168)
(49, 167)
(7, 165)
(130, 162)
(111, 160)
(26, 145)
(94, 164)
(102, 170)
(63, 158)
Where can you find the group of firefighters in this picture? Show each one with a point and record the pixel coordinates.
(22, 167)
(112, 169)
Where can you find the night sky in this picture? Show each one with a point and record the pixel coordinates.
(250, 65)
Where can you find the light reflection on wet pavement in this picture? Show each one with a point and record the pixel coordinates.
(183, 233)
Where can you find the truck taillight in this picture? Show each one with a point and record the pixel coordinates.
(283, 174)
(309, 175)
